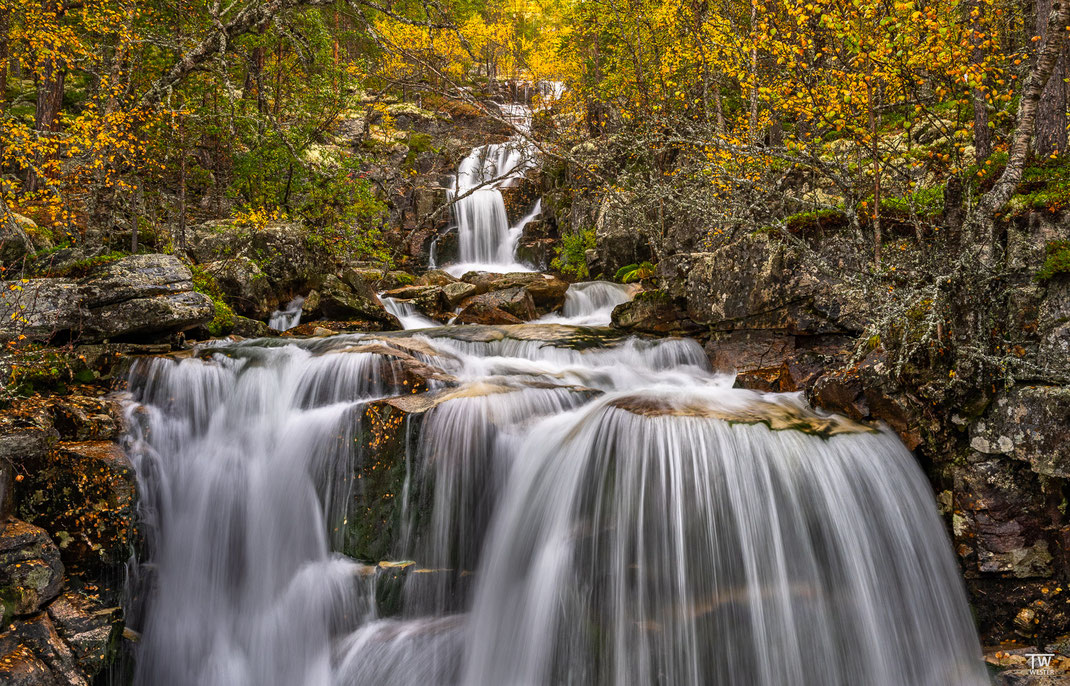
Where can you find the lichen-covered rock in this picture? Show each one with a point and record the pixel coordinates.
(31, 573)
(83, 494)
(653, 312)
(758, 282)
(249, 328)
(456, 292)
(430, 300)
(136, 297)
(86, 418)
(515, 301)
(89, 628)
(284, 252)
(482, 313)
(547, 291)
(33, 654)
(1053, 354)
(1028, 423)
(436, 277)
(245, 286)
(617, 241)
(338, 300)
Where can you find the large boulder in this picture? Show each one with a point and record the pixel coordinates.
(283, 251)
(653, 312)
(430, 300)
(481, 313)
(32, 653)
(547, 291)
(245, 285)
(515, 300)
(137, 297)
(89, 628)
(759, 282)
(341, 301)
(1031, 424)
(456, 292)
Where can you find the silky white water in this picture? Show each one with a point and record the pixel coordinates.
(289, 317)
(583, 508)
(407, 314)
(486, 241)
(591, 303)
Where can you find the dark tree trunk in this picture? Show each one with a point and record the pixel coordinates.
(1050, 135)
(50, 84)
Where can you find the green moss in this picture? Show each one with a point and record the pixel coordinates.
(572, 254)
(223, 321)
(814, 223)
(1043, 188)
(1056, 260)
(419, 142)
(927, 203)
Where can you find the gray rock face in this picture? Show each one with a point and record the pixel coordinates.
(136, 297)
(1053, 354)
(760, 283)
(1028, 423)
(619, 243)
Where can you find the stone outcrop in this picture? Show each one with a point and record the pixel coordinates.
(341, 301)
(759, 282)
(73, 493)
(137, 297)
(282, 251)
(1031, 424)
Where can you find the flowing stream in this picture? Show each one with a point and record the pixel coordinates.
(545, 504)
(581, 508)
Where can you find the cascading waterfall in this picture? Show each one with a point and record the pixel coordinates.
(407, 314)
(583, 508)
(288, 318)
(483, 230)
(591, 303)
(560, 505)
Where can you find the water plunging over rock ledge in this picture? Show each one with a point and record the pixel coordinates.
(536, 504)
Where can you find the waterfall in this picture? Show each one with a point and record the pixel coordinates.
(288, 318)
(578, 507)
(483, 231)
(591, 303)
(407, 314)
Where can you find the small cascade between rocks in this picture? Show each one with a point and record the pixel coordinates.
(591, 303)
(407, 314)
(534, 504)
(287, 318)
